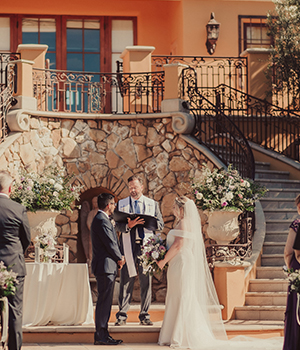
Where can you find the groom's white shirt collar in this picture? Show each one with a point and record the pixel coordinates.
(103, 212)
(4, 194)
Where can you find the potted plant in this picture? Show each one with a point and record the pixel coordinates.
(45, 195)
(224, 195)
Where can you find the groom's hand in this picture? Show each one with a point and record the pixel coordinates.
(136, 221)
(121, 263)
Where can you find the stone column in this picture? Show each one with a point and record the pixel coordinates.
(230, 285)
(258, 61)
(137, 59)
(36, 53)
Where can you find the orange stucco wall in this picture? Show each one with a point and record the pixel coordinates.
(171, 26)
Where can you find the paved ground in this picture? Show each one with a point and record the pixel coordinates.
(92, 347)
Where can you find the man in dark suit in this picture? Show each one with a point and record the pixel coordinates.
(105, 262)
(14, 240)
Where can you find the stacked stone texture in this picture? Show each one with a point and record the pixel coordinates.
(104, 153)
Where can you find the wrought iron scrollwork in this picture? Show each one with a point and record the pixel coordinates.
(215, 129)
(237, 250)
(98, 92)
(8, 85)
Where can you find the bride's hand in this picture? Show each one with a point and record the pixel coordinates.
(160, 264)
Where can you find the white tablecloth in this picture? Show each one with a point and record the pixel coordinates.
(57, 293)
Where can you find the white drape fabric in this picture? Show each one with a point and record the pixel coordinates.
(57, 293)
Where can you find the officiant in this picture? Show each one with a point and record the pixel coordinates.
(133, 234)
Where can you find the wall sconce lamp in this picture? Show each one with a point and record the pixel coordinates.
(212, 30)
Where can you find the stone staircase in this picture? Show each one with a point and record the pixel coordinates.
(266, 298)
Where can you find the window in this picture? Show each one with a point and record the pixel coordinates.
(41, 31)
(4, 34)
(253, 33)
(90, 44)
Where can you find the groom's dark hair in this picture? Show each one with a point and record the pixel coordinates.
(103, 199)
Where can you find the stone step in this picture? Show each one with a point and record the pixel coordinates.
(268, 285)
(266, 298)
(277, 225)
(133, 335)
(272, 260)
(273, 248)
(290, 193)
(281, 234)
(271, 174)
(282, 184)
(262, 166)
(281, 214)
(270, 272)
(260, 313)
(277, 203)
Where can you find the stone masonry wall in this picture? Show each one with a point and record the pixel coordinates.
(104, 153)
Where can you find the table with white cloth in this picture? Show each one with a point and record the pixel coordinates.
(57, 293)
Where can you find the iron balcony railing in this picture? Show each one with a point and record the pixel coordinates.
(269, 126)
(8, 85)
(211, 71)
(82, 92)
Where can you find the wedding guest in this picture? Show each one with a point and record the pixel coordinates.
(131, 240)
(14, 240)
(292, 260)
(106, 260)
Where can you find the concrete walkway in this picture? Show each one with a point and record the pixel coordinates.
(68, 346)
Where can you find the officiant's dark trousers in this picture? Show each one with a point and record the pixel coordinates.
(15, 305)
(105, 287)
(126, 289)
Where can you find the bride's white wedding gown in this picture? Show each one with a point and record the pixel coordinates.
(192, 317)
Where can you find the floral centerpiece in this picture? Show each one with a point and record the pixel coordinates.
(221, 189)
(50, 190)
(153, 250)
(46, 242)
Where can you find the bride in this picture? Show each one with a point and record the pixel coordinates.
(192, 317)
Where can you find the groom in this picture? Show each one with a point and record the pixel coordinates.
(106, 260)
(131, 241)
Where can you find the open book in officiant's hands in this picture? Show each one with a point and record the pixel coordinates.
(150, 221)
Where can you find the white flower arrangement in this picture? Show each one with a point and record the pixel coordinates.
(8, 281)
(219, 189)
(50, 190)
(153, 250)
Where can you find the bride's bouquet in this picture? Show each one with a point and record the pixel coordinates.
(153, 250)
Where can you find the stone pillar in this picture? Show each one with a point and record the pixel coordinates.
(137, 59)
(24, 91)
(171, 102)
(36, 55)
(230, 285)
(258, 61)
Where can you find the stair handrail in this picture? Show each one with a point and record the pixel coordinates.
(234, 148)
(262, 122)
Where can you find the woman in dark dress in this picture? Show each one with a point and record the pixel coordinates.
(292, 260)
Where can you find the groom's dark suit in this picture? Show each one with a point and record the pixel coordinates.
(14, 240)
(106, 254)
